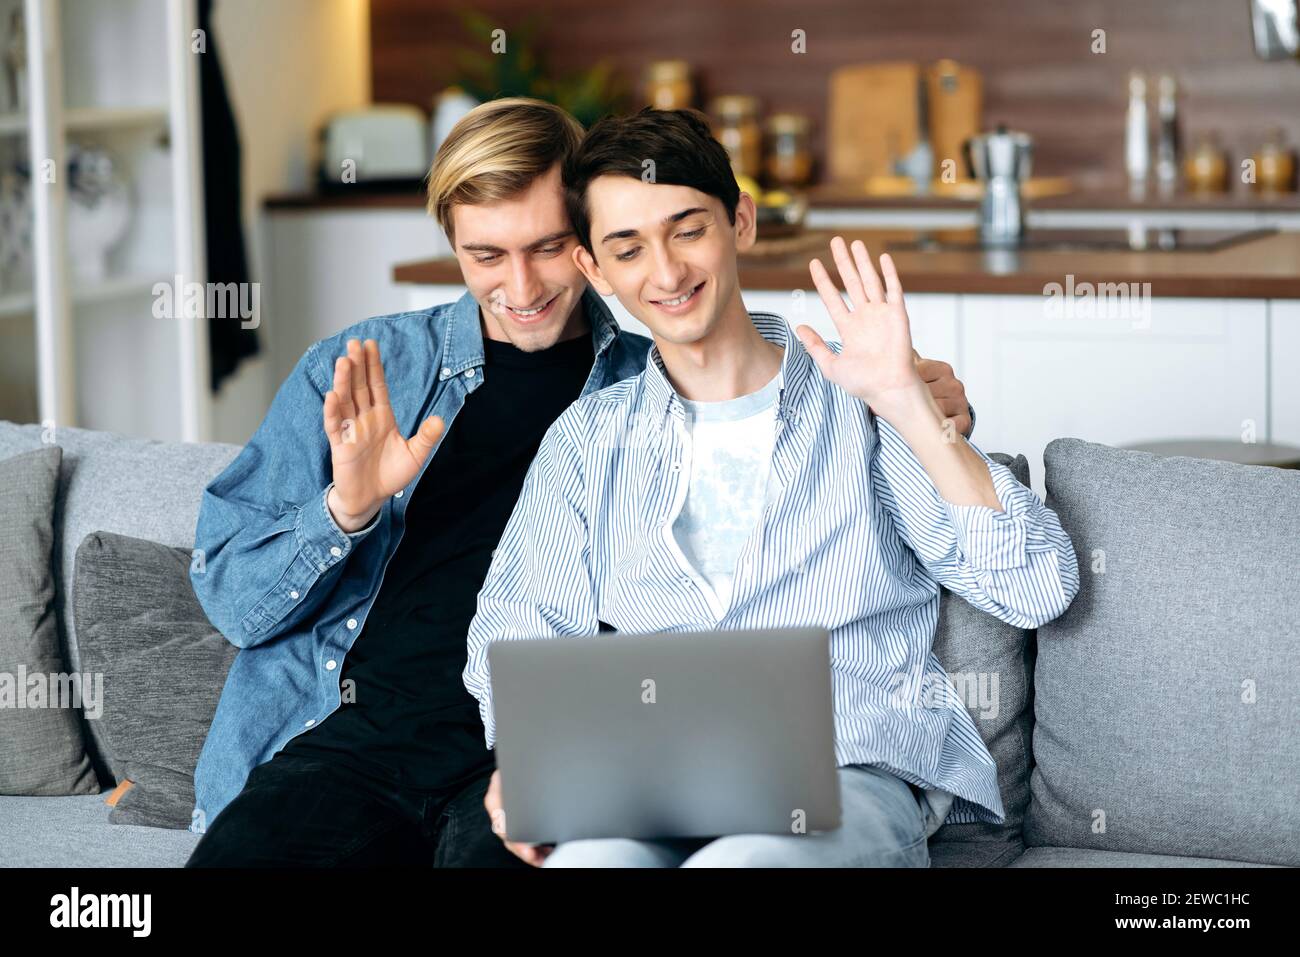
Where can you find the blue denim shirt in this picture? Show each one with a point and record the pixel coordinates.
(275, 573)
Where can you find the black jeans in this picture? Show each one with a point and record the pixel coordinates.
(305, 812)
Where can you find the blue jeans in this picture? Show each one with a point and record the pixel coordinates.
(884, 823)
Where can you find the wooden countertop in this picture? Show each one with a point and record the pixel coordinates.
(1267, 267)
(358, 198)
(831, 197)
(1240, 201)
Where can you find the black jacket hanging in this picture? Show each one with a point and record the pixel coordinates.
(228, 341)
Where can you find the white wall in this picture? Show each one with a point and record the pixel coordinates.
(288, 64)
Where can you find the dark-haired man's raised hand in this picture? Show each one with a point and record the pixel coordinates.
(877, 364)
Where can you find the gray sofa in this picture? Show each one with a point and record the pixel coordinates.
(1122, 731)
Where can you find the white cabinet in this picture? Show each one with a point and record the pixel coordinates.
(1284, 370)
(933, 316)
(1195, 368)
(329, 268)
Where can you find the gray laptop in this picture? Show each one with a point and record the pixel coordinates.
(666, 735)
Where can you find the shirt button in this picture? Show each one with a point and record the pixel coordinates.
(401, 492)
(676, 468)
(331, 665)
(352, 623)
(469, 373)
(293, 594)
(322, 566)
(445, 372)
(310, 722)
(336, 551)
(684, 580)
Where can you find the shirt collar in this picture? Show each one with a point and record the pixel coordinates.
(463, 347)
(604, 327)
(464, 334)
(796, 367)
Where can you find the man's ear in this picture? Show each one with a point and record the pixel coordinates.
(746, 222)
(586, 262)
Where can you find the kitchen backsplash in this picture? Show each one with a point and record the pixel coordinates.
(1037, 59)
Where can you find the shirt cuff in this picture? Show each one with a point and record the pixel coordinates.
(986, 537)
(320, 536)
(359, 533)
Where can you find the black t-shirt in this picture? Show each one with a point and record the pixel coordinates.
(412, 723)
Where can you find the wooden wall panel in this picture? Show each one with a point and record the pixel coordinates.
(1040, 74)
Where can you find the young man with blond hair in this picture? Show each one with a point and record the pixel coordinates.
(344, 559)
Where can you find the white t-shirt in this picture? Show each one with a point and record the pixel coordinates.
(731, 461)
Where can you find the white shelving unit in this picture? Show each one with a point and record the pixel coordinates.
(92, 118)
(122, 76)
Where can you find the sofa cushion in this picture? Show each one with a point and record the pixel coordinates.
(1079, 857)
(114, 483)
(990, 663)
(974, 853)
(74, 832)
(164, 666)
(41, 748)
(1166, 706)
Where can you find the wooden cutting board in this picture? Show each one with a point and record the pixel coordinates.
(873, 119)
(955, 94)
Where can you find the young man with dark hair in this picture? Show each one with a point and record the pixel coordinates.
(751, 479)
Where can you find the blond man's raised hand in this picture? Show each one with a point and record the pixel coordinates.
(371, 459)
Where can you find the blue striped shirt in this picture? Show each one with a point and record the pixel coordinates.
(855, 539)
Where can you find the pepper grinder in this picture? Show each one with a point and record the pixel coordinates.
(1168, 148)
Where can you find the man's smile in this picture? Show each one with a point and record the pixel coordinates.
(679, 304)
(533, 315)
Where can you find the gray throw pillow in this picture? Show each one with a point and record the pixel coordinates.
(164, 665)
(990, 663)
(1166, 712)
(41, 748)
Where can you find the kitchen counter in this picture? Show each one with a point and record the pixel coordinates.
(839, 209)
(1208, 351)
(359, 197)
(1267, 267)
(833, 197)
